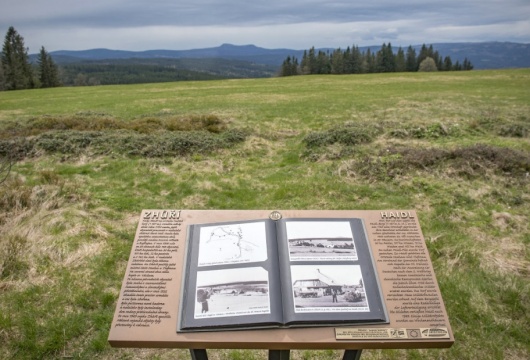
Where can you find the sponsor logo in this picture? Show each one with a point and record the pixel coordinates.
(434, 332)
(398, 333)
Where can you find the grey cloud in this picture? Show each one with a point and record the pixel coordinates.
(121, 13)
(273, 22)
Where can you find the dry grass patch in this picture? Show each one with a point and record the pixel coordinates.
(196, 201)
(85, 251)
(505, 255)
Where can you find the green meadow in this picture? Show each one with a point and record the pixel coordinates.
(77, 166)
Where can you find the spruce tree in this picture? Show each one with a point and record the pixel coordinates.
(2, 78)
(337, 62)
(356, 60)
(411, 64)
(401, 64)
(368, 62)
(48, 72)
(15, 62)
(448, 64)
(467, 65)
(304, 64)
(323, 63)
(424, 54)
(312, 61)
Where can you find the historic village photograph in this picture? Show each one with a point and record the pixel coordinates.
(328, 288)
(320, 240)
(232, 292)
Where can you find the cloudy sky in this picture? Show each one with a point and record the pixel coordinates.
(294, 24)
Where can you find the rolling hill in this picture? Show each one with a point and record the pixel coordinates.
(486, 55)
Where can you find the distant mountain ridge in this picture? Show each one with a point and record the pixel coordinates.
(484, 55)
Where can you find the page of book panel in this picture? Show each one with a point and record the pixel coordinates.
(328, 273)
(231, 277)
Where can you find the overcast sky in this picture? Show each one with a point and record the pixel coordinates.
(293, 24)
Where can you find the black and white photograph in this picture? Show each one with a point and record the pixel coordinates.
(320, 240)
(232, 292)
(233, 244)
(328, 288)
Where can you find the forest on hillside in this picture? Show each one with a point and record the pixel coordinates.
(17, 71)
(354, 61)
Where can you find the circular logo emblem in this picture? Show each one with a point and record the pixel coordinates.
(275, 215)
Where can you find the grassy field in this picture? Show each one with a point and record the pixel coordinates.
(85, 162)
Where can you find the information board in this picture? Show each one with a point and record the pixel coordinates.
(147, 309)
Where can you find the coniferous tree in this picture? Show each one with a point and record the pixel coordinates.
(304, 64)
(15, 62)
(323, 63)
(347, 67)
(411, 64)
(312, 61)
(385, 61)
(2, 78)
(448, 64)
(296, 67)
(435, 56)
(368, 62)
(338, 62)
(423, 54)
(48, 71)
(286, 67)
(401, 64)
(467, 65)
(356, 60)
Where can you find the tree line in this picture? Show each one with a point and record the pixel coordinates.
(16, 71)
(354, 61)
(125, 72)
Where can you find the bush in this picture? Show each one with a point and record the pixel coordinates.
(347, 134)
(428, 65)
(514, 130)
(89, 122)
(149, 137)
(468, 162)
(433, 131)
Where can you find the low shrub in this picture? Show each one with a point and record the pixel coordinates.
(130, 143)
(515, 130)
(348, 134)
(148, 136)
(467, 161)
(90, 122)
(433, 131)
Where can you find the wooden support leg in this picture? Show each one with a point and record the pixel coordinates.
(279, 354)
(352, 354)
(198, 354)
